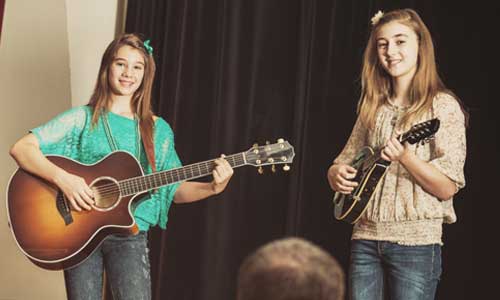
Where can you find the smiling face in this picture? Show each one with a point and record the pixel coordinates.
(397, 49)
(126, 71)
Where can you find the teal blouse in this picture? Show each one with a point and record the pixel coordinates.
(70, 134)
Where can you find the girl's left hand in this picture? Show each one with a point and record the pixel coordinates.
(394, 150)
(222, 173)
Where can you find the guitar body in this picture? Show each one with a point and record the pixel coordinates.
(55, 237)
(350, 207)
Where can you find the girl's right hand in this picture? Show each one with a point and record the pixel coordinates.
(338, 177)
(75, 189)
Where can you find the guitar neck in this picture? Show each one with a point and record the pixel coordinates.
(148, 182)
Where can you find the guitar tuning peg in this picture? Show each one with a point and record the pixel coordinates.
(281, 141)
(255, 145)
(260, 170)
(286, 168)
(267, 143)
(273, 168)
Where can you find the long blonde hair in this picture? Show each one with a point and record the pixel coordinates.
(141, 100)
(376, 83)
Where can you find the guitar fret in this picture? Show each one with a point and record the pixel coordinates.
(153, 181)
(176, 174)
(169, 180)
(147, 182)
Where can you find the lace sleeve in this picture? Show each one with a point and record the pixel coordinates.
(167, 159)
(449, 146)
(356, 141)
(61, 134)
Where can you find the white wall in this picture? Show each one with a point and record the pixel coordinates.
(91, 26)
(49, 56)
(34, 86)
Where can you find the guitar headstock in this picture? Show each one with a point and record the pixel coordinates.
(270, 154)
(421, 132)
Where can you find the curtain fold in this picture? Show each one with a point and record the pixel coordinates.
(234, 72)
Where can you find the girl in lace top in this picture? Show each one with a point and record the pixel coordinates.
(398, 238)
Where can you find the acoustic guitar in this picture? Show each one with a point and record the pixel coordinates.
(55, 237)
(371, 168)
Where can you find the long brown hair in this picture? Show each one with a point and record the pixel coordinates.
(376, 83)
(141, 100)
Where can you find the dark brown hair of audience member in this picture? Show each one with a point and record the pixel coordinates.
(290, 269)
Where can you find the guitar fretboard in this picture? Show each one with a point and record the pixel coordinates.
(140, 184)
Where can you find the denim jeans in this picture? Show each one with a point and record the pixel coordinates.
(387, 270)
(126, 261)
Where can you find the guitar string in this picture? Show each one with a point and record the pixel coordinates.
(134, 183)
(236, 158)
(177, 172)
(112, 188)
(130, 187)
(109, 189)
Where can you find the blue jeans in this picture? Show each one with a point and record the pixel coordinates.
(126, 261)
(383, 269)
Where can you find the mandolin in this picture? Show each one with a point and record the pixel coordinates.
(371, 168)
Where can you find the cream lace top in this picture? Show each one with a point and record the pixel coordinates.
(400, 210)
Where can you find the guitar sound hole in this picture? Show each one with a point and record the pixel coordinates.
(106, 193)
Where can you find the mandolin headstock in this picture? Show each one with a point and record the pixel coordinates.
(421, 132)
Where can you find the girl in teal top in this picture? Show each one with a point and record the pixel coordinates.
(72, 135)
(118, 117)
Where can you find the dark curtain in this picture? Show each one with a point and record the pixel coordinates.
(2, 5)
(234, 72)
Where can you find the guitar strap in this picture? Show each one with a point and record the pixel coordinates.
(112, 141)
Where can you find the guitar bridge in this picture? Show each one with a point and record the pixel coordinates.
(63, 208)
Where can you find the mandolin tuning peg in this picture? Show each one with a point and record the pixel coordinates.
(260, 170)
(273, 168)
(286, 168)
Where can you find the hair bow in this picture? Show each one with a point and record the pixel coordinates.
(148, 47)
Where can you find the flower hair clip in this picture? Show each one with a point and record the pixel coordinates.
(148, 47)
(376, 18)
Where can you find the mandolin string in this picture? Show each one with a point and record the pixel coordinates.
(418, 129)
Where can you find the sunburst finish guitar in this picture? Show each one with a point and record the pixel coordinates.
(371, 168)
(55, 237)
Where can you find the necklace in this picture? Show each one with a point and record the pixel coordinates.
(111, 139)
(398, 111)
